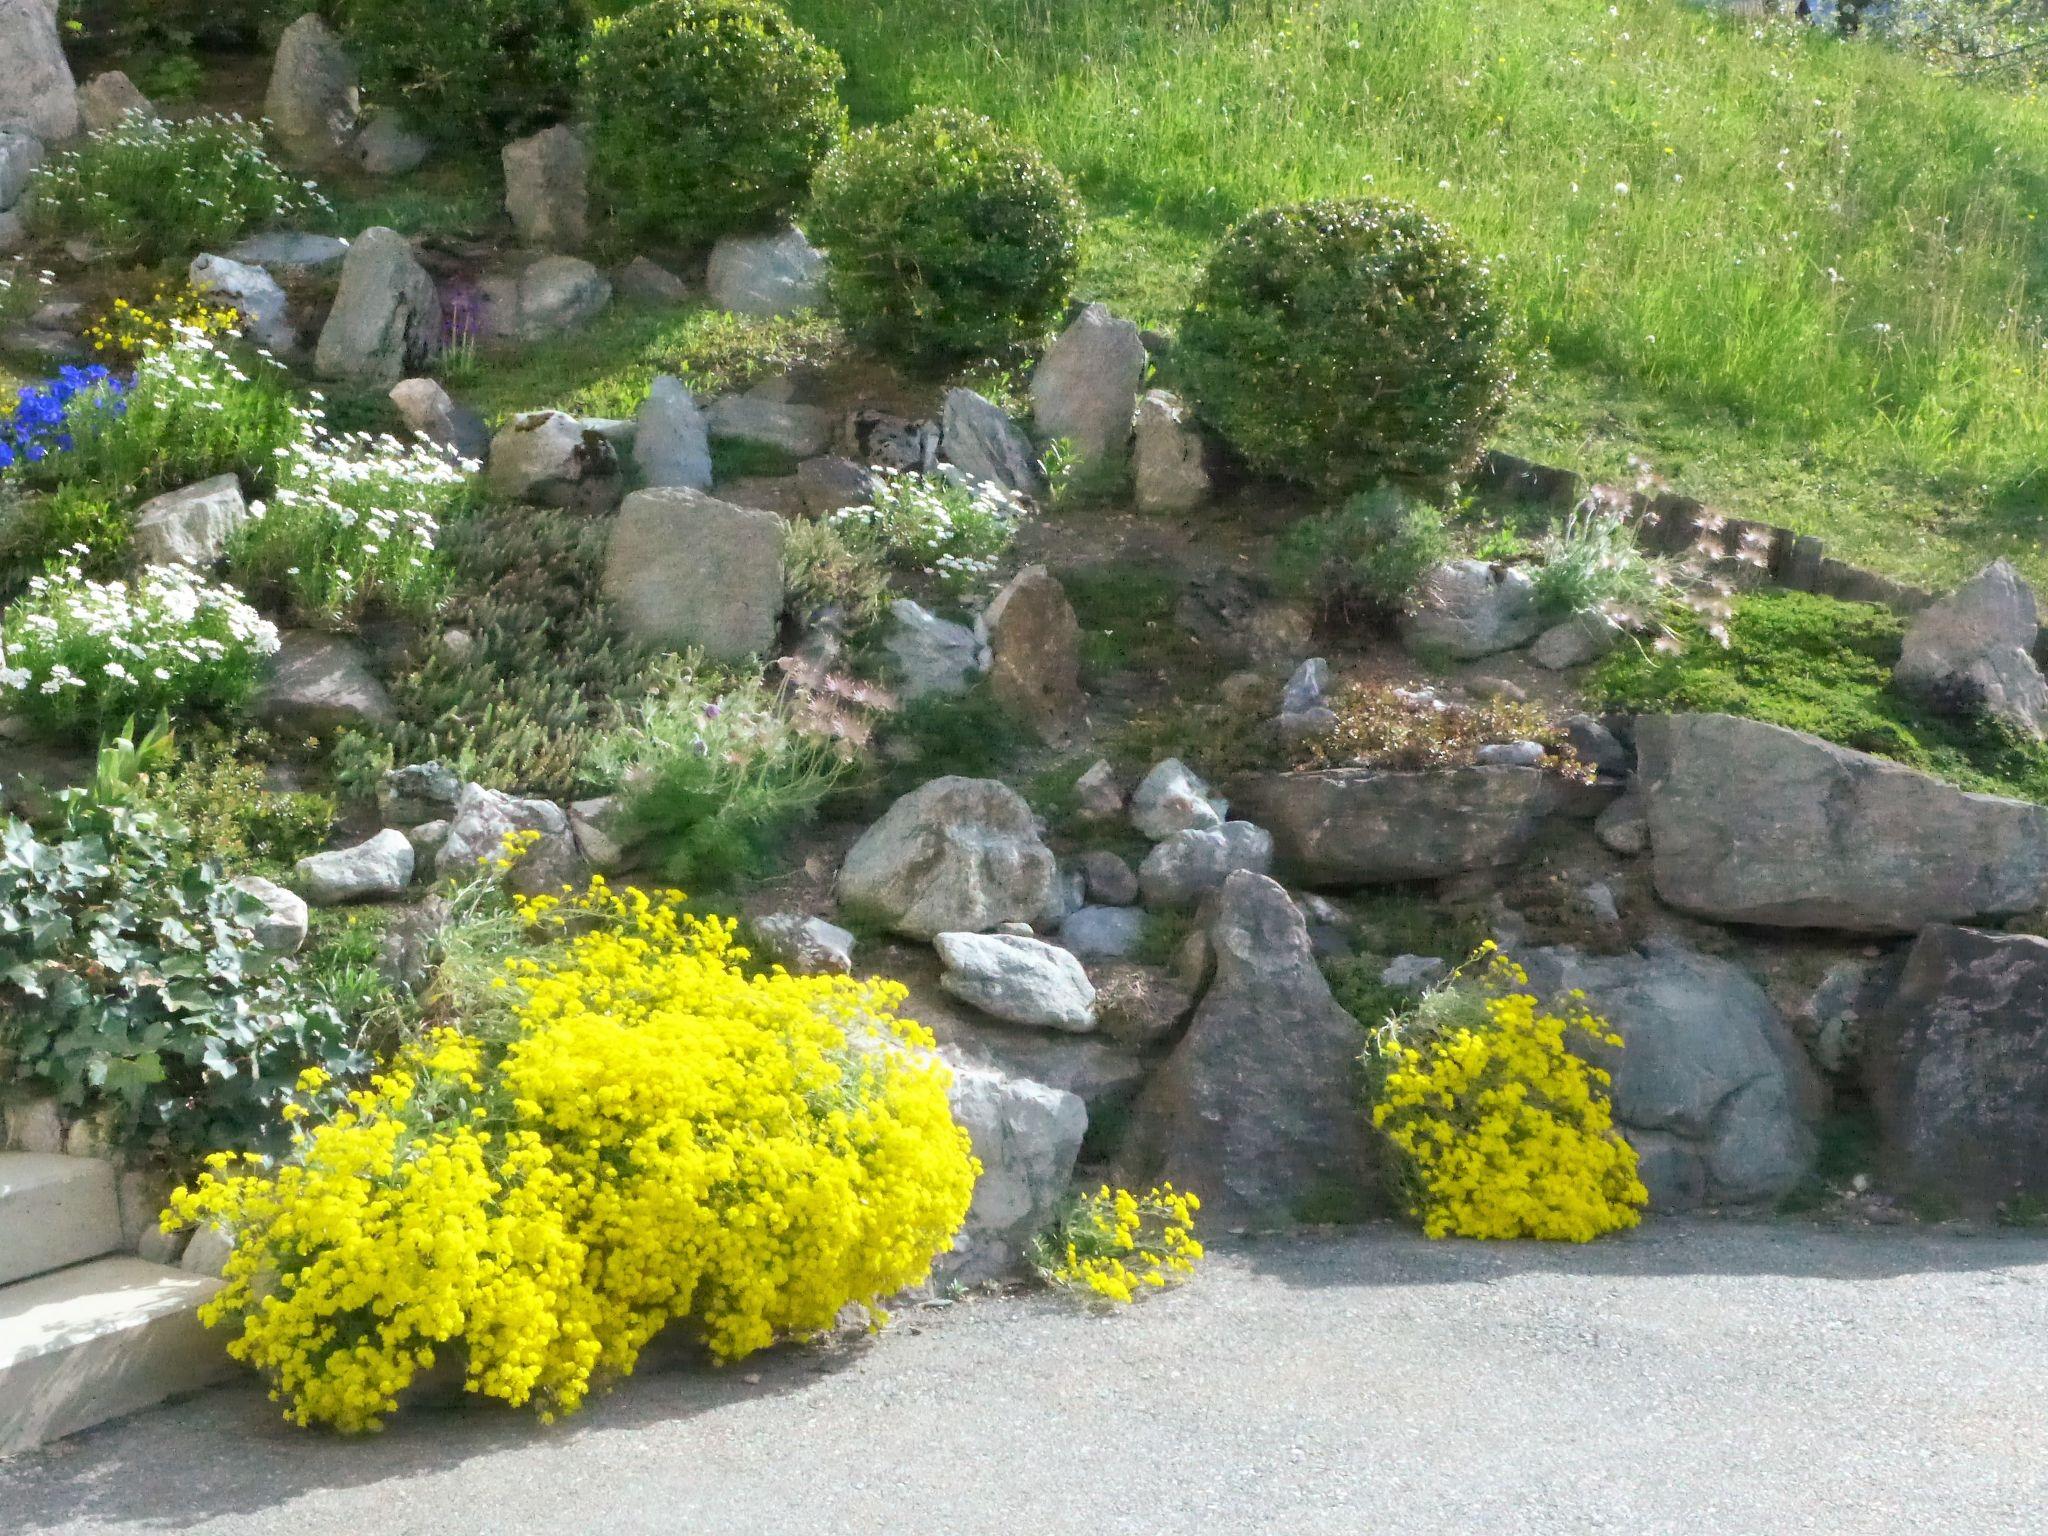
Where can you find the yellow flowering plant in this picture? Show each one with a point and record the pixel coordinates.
(126, 329)
(1113, 1245)
(655, 1133)
(1499, 1128)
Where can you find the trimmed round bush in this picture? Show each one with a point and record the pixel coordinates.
(707, 117)
(948, 238)
(475, 69)
(1339, 343)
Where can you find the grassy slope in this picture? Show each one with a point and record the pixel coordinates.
(1818, 299)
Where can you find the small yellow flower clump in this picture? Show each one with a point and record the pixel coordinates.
(1114, 1244)
(125, 331)
(663, 1136)
(1503, 1131)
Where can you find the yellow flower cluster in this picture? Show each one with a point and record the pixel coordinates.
(664, 1136)
(126, 330)
(1502, 1130)
(1114, 1244)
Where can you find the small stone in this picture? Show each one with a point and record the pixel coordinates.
(1511, 754)
(207, 1252)
(380, 867)
(805, 946)
(1188, 865)
(1495, 689)
(1172, 798)
(602, 832)
(1167, 456)
(286, 251)
(190, 526)
(1413, 973)
(672, 440)
(1103, 933)
(641, 281)
(1308, 688)
(547, 188)
(417, 792)
(1109, 879)
(1018, 980)
(954, 855)
(1973, 652)
(1624, 827)
(828, 482)
(1593, 744)
(281, 928)
(1579, 639)
(799, 430)
(427, 839)
(1098, 797)
(553, 460)
(766, 275)
(389, 146)
(435, 415)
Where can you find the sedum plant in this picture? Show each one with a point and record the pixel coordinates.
(659, 1135)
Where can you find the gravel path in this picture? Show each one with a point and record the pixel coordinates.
(1692, 1378)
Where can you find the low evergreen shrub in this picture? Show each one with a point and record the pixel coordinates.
(484, 70)
(1361, 561)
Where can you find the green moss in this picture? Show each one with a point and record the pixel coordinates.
(1818, 665)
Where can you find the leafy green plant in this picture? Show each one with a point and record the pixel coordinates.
(1337, 343)
(953, 533)
(469, 69)
(949, 239)
(1592, 563)
(822, 569)
(156, 190)
(76, 524)
(1362, 560)
(707, 117)
(218, 792)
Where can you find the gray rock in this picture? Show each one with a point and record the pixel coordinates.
(1034, 646)
(1097, 795)
(1957, 1066)
(1368, 826)
(1624, 827)
(1173, 798)
(553, 460)
(827, 482)
(1835, 1020)
(427, 839)
(380, 867)
(1027, 1137)
(1593, 744)
(37, 91)
(1167, 458)
(286, 251)
(319, 683)
(1182, 869)
(805, 946)
(954, 855)
(1579, 639)
(484, 818)
(315, 95)
(1085, 389)
(191, 526)
(1973, 652)
(1413, 973)
(547, 188)
(1753, 823)
(1103, 933)
(386, 319)
(411, 945)
(766, 275)
(1108, 879)
(437, 416)
(686, 569)
(931, 655)
(252, 292)
(281, 928)
(671, 440)
(1510, 754)
(544, 298)
(389, 146)
(1709, 1082)
(108, 100)
(1018, 980)
(1257, 1109)
(1308, 687)
(20, 153)
(798, 430)
(603, 833)
(1471, 608)
(417, 792)
(979, 438)
(641, 281)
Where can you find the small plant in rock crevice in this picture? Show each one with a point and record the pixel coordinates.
(1113, 1246)
(1379, 726)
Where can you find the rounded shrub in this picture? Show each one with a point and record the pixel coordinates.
(949, 239)
(707, 117)
(478, 69)
(1338, 343)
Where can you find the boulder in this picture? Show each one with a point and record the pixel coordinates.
(427, 839)
(191, 526)
(319, 683)
(484, 818)
(766, 275)
(1472, 608)
(604, 833)
(1018, 980)
(553, 460)
(108, 100)
(1085, 389)
(437, 416)
(1834, 1021)
(1753, 823)
(1595, 745)
(544, 298)
(641, 281)
(390, 146)
(686, 569)
(978, 437)
(1034, 644)
(1579, 639)
(281, 928)
(1173, 798)
(1167, 460)
(416, 793)
(1182, 869)
(380, 867)
(252, 292)
(1257, 1109)
(1103, 933)
(1624, 827)
(1027, 1137)
(1709, 1085)
(1098, 797)
(1957, 1067)
(1108, 878)
(547, 188)
(956, 855)
(411, 944)
(827, 482)
(671, 439)
(1973, 652)
(932, 655)
(315, 95)
(798, 430)
(37, 91)
(804, 946)
(289, 251)
(1368, 826)
(386, 319)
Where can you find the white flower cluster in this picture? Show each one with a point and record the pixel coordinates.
(955, 530)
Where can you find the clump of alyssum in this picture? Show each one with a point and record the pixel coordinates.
(1501, 1128)
(943, 528)
(1112, 1245)
(661, 1135)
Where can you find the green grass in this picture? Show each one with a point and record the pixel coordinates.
(1818, 298)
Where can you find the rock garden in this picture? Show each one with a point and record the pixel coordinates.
(915, 782)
